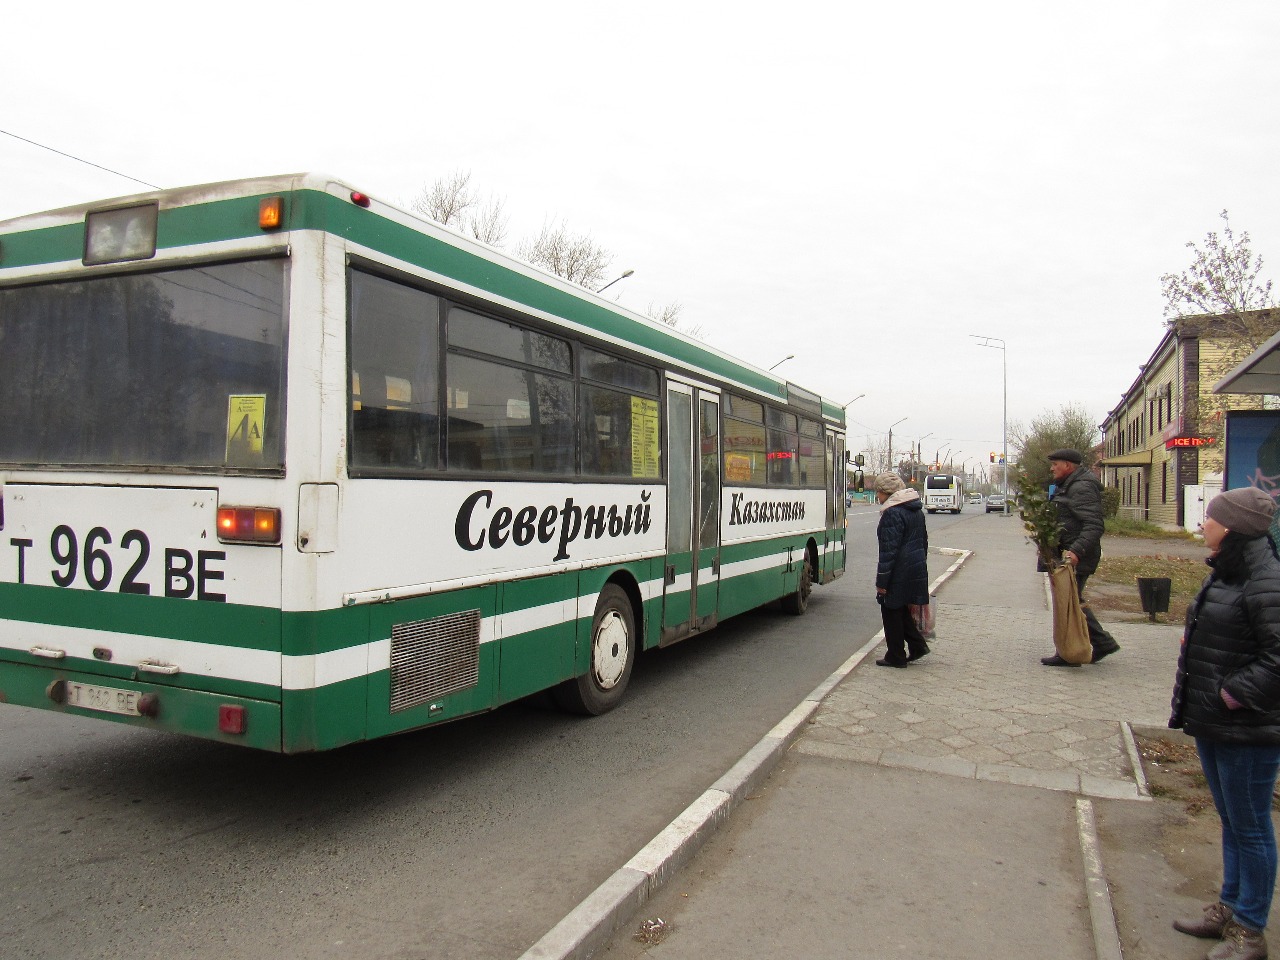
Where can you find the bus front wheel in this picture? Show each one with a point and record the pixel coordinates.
(613, 652)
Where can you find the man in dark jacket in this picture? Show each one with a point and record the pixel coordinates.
(1079, 500)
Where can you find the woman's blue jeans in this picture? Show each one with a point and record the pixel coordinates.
(1242, 778)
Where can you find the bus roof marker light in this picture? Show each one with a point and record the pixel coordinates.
(125, 233)
(360, 199)
(271, 213)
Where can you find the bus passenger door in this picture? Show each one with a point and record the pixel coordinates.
(691, 584)
(706, 547)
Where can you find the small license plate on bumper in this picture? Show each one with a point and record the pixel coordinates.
(103, 699)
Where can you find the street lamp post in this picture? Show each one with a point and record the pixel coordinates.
(789, 356)
(919, 455)
(995, 343)
(625, 274)
(891, 426)
(858, 397)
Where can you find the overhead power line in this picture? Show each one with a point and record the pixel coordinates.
(79, 159)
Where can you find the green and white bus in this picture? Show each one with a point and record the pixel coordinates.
(285, 466)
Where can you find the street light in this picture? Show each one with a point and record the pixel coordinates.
(625, 274)
(789, 356)
(995, 343)
(918, 454)
(858, 397)
(891, 426)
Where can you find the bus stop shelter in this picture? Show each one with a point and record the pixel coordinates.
(1257, 373)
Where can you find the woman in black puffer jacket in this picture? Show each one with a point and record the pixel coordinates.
(902, 574)
(1227, 696)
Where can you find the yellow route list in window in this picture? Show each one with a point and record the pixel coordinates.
(644, 437)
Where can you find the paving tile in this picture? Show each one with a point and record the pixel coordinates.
(982, 704)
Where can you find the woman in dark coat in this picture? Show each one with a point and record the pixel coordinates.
(1227, 696)
(902, 575)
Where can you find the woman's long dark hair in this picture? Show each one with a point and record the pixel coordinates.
(1229, 562)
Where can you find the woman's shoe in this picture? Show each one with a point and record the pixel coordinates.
(1240, 943)
(890, 662)
(1210, 925)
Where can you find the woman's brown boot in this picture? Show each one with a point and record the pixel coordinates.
(1240, 943)
(1209, 926)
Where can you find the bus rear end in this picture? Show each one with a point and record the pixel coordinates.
(141, 477)
(943, 491)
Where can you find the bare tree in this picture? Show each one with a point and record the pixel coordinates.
(1223, 300)
(452, 203)
(1223, 282)
(488, 223)
(572, 256)
(670, 315)
(447, 200)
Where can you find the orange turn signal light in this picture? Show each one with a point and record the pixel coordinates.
(271, 213)
(249, 524)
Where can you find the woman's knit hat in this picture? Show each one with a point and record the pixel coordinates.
(1246, 511)
(889, 483)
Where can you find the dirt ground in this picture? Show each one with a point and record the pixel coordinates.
(1181, 560)
(1168, 857)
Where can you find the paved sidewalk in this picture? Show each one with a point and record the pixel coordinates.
(949, 809)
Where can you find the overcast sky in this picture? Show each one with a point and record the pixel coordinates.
(862, 185)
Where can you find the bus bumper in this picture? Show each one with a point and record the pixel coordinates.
(170, 709)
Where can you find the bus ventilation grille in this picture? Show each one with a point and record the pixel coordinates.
(434, 658)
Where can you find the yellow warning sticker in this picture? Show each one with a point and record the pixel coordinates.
(246, 421)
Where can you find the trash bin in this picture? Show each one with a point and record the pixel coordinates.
(1154, 593)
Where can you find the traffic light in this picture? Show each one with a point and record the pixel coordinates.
(993, 458)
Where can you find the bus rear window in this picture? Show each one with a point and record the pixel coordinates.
(181, 368)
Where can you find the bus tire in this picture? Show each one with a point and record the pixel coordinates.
(613, 652)
(797, 603)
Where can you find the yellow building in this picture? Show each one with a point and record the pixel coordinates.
(1166, 433)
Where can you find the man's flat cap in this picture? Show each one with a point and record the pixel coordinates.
(1066, 453)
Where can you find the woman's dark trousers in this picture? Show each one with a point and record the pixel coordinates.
(901, 635)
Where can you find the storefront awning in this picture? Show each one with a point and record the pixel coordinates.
(1140, 459)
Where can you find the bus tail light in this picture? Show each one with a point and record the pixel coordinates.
(249, 524)
(360, 199)
(232, 718)
(271, 213)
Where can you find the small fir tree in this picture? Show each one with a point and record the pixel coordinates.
(1040, 518)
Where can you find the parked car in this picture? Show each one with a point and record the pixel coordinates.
(995, 503)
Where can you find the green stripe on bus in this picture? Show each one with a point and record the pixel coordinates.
(201, 621)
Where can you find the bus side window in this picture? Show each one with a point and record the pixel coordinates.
(394, 375)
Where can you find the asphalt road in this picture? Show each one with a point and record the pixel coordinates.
(465, 841)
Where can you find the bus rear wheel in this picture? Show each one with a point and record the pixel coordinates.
(797, 603)
(613, 652)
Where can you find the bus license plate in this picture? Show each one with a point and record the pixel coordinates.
(103, 699)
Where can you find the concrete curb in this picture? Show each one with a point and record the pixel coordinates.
(1102, 917)
(591, 923)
